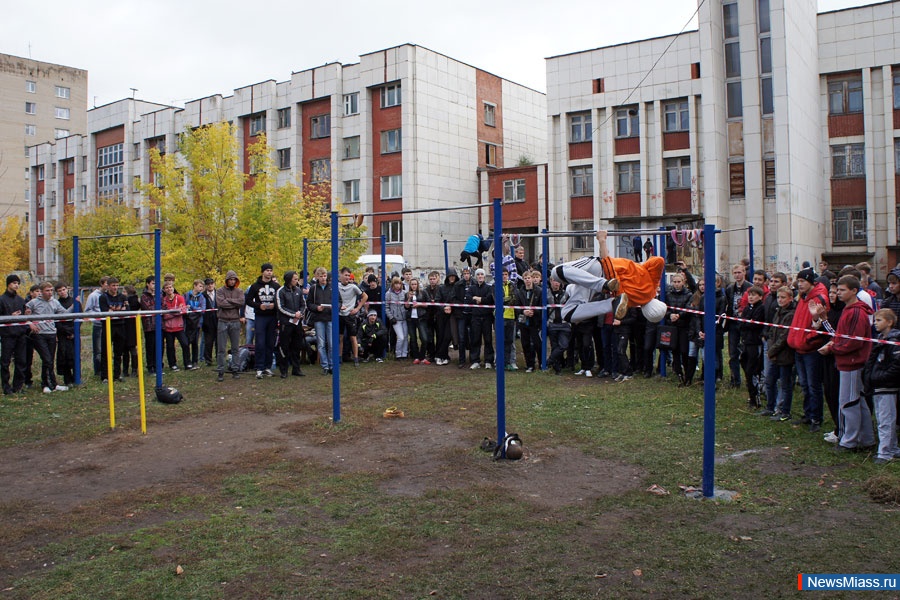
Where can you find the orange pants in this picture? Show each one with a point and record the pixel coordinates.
(639, 280)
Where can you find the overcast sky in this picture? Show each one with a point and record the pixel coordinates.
(173, 51)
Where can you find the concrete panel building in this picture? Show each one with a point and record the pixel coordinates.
(405, 128)
(39, 101)
(768, 115)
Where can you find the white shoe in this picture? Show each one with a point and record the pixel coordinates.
(61, 388)
(475, 366)
(580, 372)
(48, 390)
(259, 374)
(831, 438)
(488, 366)
(588, 373)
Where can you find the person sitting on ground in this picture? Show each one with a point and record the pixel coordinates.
(634, 283)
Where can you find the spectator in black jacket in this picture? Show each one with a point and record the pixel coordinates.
(751, 336)
(290, 303)
(12, 338)
(110, 302)
(261, 297)
(210, 320)
(481, 296)
(733, 294)
(679, 296)
(65, 338)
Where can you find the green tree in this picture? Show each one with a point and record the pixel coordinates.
(215, 217)
(128, 258)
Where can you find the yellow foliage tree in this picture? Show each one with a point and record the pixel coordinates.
(13, 245)
(128, 258)
(216, 218)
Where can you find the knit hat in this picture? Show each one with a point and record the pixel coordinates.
(266, 267)
(13, 278)
(372, 313)
(807, 275)
(479, 272)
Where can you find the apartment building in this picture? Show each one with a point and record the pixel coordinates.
(768, 115)
(39, 101)
(405, 128)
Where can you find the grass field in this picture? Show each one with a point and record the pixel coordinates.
(411, 508)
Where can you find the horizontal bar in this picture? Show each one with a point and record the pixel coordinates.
(108, 237)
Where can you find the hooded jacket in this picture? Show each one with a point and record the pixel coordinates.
(851, 354)
(882, 371)
(319, 296)
(289, 300)
(230, 300)
(446, 292)
(395, 305)
(799, 339)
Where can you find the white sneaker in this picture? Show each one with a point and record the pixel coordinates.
(831, 438)
(48, 390)
(61, 388)
(259, 374)
(475, 366)
(488, 366)
(588, 373)
(580, 372)
(268, 373)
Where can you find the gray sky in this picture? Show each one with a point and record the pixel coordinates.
(174, 51)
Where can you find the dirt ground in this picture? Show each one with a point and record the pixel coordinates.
(413, 456)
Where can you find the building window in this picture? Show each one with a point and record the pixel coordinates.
(734, 99)
(627, 122)
(70, 166)
(582, 179)
(490, 114)
(135, 185)
(736, 180)
(677, 115)
(514, 190)
(257, 124)
(490, 155)
(762, 9)
(284, 158)
(391, 187)
(31, 87)
(580, 128)
(40, 201)
(84, 193)
(351, 147)
(110, 171)
(110, 155)
(40, 227)
(53, 171)
(351, 104)
(40, 254)
(392, 232)
(61, 133)
(678, 173)
(40, 173)
(320, 170)
(284, 118)
(84, 163)
(767, 95)
(769, 178)
(30, 129)
(62, 92)
(70, 194)
(732, 60)
(849, 225)
(319, 127)
(390, 141)
(351, 191)
(390, 95)
(765, 55)
(30, 108)
(61, 112)
(582, 242)
(730, 19)
(848, 160)
(52, 254)
(845, 96)
(629, 177)
(53, 198)
(897, 91)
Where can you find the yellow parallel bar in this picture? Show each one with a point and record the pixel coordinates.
(109, 374)
(140, 368)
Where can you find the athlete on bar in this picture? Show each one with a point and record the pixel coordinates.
(626, 281)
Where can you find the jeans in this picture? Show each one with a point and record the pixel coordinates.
(45, 345)
(227, 330)
(559, 344)
(323, 343)
(401, 350)
(463, 322)
(265, 341)
(886, 414)
(734, 355)
(98, 343)
(809, 372)
(784, 374)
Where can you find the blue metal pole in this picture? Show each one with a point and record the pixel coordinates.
(76, 272)
(157, 303)
(709, 360)
(499, 354)
(306, 276)
(750, 235)
(335, 329)
(446, 257)
(545, 282)
(661, 248)
(383, 280)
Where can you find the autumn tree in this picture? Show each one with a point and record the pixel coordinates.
(13, 245)
(215, 217)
